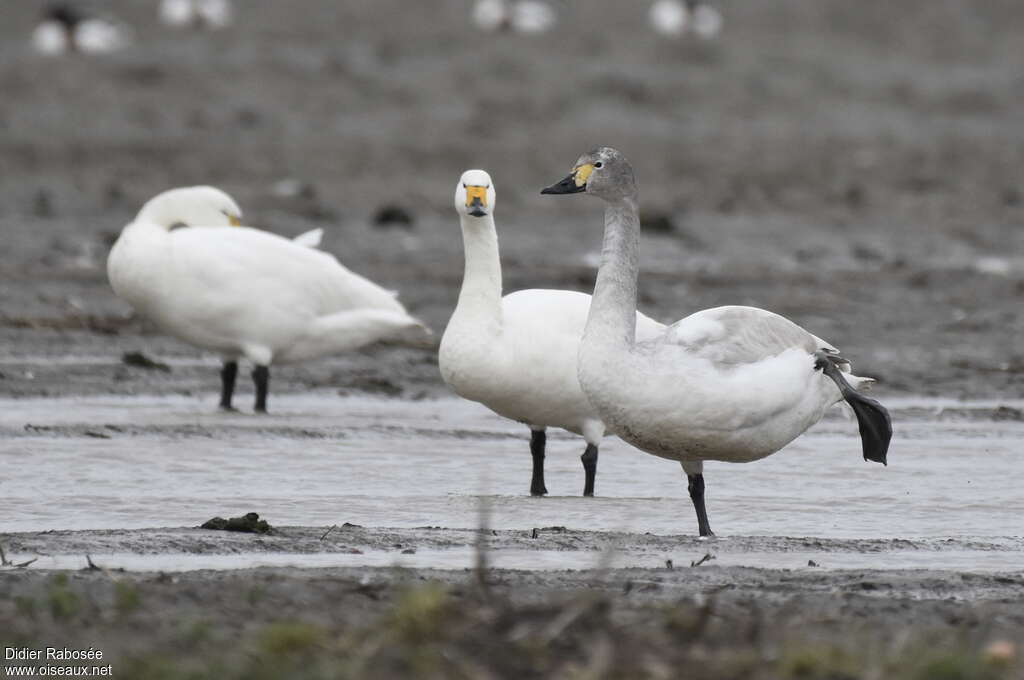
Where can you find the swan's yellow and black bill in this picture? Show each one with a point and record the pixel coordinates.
(476, 200)
(574, 183)
(235, 220)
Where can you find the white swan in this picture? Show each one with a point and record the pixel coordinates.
(521, 16)
(669, 17)
(731, 383)
(517, 354)
(707, 21)
(242, 292)
(212, 14)
(675, 17)
(64, 29)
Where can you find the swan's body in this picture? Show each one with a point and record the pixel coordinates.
(64, 29)
(212, 14)
(731, 383)
(517, 354)
(676, 17)
(707, 21)
(242, 292)
(523, 366)
(521, 16)
(669, 17)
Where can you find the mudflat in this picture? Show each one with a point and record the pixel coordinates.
(853, 166)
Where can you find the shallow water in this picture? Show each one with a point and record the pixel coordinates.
(320, 460)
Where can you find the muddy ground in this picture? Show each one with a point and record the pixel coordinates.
(695, 619)
(699, 622)
(855, 166)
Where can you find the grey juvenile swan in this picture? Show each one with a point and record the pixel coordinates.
(730, 383)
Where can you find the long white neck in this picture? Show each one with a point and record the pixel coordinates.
(480, 297)
(612, 319)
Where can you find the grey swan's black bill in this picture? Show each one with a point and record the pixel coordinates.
(566, 186)
(872, 418)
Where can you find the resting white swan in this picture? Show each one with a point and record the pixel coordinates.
(675, 17)
(731, 383)
(517, 354)
(521, 16)
(65, 29)
(212, 14)
(242, 292)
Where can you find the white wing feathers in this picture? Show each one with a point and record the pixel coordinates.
(310, 239)
(253, 264)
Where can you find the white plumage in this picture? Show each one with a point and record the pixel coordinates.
(669, 17)
(50, 38)
(675, 17)
(63, 30)
(310, 239)
(247, 293)
(707, 21)
(516, 354)
(521, 16)
(212, 14)
(533, 16)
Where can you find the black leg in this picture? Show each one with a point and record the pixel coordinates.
(537, 440)
(696, 489)
(227, 384)
(261, 376)
(589, 459)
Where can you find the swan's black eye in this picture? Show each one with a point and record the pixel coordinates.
(463, 185)
(599, 164)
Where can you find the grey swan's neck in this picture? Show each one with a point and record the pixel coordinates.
(612, 319)
(480, 296)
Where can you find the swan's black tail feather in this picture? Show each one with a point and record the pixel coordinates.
(872, 418)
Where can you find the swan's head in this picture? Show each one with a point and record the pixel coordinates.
(193, 207)
(474, 194)
(603, 172)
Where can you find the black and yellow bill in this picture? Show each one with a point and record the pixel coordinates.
(476, 200)
(575, 183)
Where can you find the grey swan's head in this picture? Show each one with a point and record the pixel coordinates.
(603, 172)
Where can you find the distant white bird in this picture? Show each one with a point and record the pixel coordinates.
(707, 21)
(533, 16)
(669, 17)
(242, 292)
(516, 354)
(64, 29)
(676, 17)
(521, 16)
(491, 15)
(211, 14)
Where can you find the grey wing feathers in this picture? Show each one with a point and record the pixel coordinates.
(738, 335)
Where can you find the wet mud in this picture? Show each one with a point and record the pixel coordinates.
(823, 160)
(853, 166)
(342, 623)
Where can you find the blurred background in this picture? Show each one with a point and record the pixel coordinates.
(855, 166)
